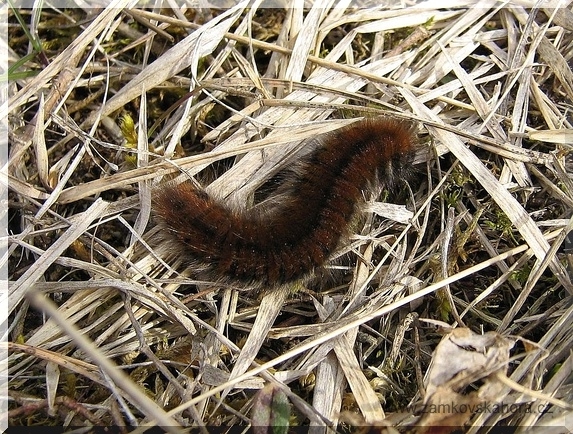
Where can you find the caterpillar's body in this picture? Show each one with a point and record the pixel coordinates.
(297, 234)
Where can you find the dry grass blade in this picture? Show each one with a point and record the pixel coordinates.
(109, 326)
(269, 309)
(40, 144)
(365, 396)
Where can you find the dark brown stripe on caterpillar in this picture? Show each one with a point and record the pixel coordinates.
(298, 232)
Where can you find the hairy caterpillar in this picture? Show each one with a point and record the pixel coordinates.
(297, 232)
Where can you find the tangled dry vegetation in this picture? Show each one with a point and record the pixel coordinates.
(108, 329)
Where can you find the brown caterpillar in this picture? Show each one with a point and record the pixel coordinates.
(297, 233)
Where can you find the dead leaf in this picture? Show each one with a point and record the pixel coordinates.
(462, 358)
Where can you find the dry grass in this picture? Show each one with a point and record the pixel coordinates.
(106, 330)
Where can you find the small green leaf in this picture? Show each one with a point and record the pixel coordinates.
(271, 411)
